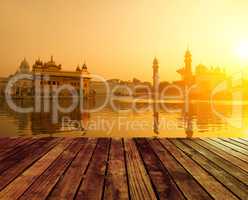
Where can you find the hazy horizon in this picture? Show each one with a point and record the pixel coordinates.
(119, 39)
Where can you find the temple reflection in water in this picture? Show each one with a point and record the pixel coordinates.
(199, 120)
(75, 120)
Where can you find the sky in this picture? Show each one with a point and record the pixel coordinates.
(119, 39)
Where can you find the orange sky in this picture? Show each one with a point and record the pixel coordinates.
(119, 39)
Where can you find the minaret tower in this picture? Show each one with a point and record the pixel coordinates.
(188, 67)
(155, 76)
(155, 96)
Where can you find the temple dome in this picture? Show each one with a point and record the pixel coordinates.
(24, 66)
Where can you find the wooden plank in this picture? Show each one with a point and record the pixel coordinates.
(10, 146)
(240, 140)
(138, 169)
(224, 164)
(239, 144)
(232, 146)
(15, 165)
(12, 143)
(9, 143)
(223, 154)
(186, 183)
(6, 140)
(162, 182)
(7, 152)
(43, 185)
(245, 139)
(18, 154)
(226, 149)
(208, 182)
(93, 183)
(139, 183)
(66, 187)
(116, 186)
(234, 185)
(13, 191)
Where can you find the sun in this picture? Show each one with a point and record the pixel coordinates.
(242, 50)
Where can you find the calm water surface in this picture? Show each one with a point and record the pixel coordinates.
(198, 121)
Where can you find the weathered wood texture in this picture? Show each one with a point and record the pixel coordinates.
(141, 168)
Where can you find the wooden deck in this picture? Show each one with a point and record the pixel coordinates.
(103, 168)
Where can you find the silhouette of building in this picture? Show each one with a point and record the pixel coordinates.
(186, 71)
(204, 79)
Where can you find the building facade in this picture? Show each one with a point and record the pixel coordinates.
(204, 79)
(51, 75)
(47, 75)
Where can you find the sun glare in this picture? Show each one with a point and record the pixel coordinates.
(242, 50)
